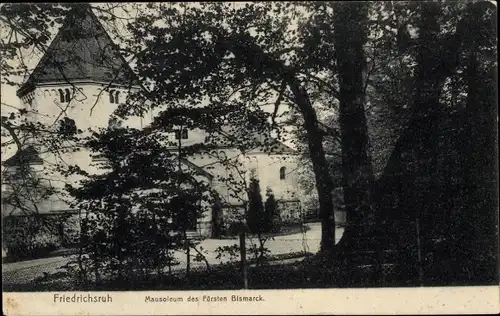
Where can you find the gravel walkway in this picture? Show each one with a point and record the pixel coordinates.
(26, 271)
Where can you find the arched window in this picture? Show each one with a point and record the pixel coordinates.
(61, 95)
(68, 96)
(117, 96)
(282, 173)
(111, 96)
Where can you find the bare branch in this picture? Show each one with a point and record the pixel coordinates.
(278, 101)
(324, 83)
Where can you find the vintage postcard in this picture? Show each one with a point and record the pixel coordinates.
(190, 158)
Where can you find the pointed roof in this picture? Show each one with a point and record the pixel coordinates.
(82, 50)
(27, 155)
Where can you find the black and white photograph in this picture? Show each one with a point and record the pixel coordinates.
(223, 146)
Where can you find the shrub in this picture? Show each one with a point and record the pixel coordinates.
(272, 216)
(232, 220)
(233, 229)
(256, 219)
(29, 237)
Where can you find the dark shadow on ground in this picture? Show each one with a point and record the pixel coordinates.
(55, 253)
(308, 273)
(286, 230)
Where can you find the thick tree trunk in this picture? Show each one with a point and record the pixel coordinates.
(480, 156)
(443, 213)
(418, 143)
(350, 36)
(324, 183)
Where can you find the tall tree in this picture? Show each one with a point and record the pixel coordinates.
(238, 57)
(350, 35)
(136, 212)
(479, 148)
(421, 180)
(272, 216)
(256, 220)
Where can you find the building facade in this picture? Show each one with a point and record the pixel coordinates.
(79, 83)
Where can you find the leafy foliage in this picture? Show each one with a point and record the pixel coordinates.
(255, 213)
(26, 130)
(35, 236)
(393, 101)
(271, 213)
(139, 209)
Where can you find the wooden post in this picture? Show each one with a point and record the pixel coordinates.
(420, 271)
(243, 259)
(188, 256)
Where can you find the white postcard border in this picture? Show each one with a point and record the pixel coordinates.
(373, 301)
